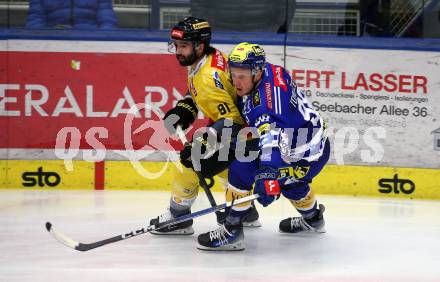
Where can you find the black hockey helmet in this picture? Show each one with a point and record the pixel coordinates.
(192, 29)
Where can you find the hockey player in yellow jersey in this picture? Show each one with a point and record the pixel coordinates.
(210, 91)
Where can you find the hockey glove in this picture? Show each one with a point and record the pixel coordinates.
(185, 113)
(185, 156)
(202, 146)
(266, 185)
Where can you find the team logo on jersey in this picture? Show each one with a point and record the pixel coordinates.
(268, 90)
(278, 77)
(217, 81)
(256, 100)
(301, 171)
(293, 174)
(218, 61)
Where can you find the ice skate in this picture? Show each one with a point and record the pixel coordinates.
(300, 224)
(224, 238)
(182, 228)
(251, 219)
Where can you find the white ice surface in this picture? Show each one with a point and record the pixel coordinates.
(367, 240)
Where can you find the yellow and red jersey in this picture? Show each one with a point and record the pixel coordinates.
(211, 88)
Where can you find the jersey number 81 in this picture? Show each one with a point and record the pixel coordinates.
(223, 108)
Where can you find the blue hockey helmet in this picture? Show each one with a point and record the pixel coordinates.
(247, 55)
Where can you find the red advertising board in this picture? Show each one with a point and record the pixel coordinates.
(43, 92)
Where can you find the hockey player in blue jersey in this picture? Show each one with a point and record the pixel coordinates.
(293, 149)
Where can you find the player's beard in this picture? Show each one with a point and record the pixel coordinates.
(186, 61)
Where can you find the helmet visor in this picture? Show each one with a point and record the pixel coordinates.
(172, 47)
(173, 44)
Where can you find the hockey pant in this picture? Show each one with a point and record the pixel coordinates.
(185, 189)
(298, 191)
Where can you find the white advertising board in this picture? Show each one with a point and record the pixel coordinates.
(384, 104)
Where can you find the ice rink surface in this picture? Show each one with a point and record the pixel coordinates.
(367, 240)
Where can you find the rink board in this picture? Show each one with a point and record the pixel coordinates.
(46, 174)
(382, 106)
(411, 183)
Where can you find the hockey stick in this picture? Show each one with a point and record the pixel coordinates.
(63, 239)
(202, 180)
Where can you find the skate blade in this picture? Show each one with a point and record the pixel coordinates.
(321, 230)
(185, 231)
(255, 223)
(252, 224)
(230, 247)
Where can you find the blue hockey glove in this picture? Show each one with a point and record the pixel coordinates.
(266, 185)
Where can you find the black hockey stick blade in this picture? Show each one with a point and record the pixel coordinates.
(68, 242)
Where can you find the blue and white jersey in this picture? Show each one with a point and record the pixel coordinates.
(290, 129)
